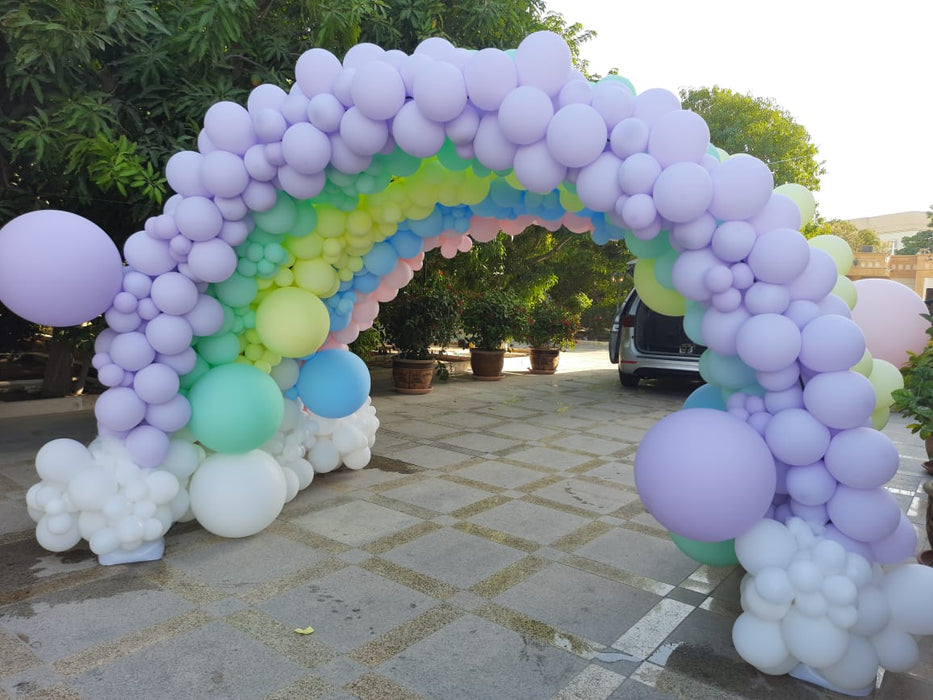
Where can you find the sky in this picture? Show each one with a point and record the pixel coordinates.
(856, 74)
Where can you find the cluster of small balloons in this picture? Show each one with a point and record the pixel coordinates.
(811, 605)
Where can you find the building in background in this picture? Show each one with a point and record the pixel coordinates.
(914, 271)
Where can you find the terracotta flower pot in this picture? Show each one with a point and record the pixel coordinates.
(928, 443)
(412, 376)
(487, 364)
(544, 360)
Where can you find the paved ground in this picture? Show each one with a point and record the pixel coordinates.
(494, 548)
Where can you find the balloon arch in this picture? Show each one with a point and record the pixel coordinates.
(301, 213)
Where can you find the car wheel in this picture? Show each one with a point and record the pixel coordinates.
(628, 380)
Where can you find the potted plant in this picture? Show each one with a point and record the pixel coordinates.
(423, 315)
(915, 400)
(550, 329)
(489, 319)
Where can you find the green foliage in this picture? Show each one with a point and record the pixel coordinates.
(552, 326)
(922, 240)
(915, 400)
(492, 317)
(368, 342)
(855, 237)
(425, 313)
(758, 126)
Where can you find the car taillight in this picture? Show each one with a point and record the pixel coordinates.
(627, 322)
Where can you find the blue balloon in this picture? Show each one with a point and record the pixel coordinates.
(333, 383)
(406, 244)
(338, 321)
(381, 260)
(431, 225)
(365, 282)
(706, 396)
(504, 194)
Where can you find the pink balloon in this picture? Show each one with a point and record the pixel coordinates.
(58, 268)
(483, 230)
(705, 474)
(889, 315)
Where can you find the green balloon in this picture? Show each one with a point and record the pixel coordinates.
(236, 290)
(280, 218)
(655, 248)
(235, 408)
(710, 553)
(219, 349)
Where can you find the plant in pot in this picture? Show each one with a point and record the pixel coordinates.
(423, 315)
(489, 319)
(550, 329)
(915, 400)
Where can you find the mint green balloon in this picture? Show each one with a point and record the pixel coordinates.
(280, 218)
(655, 248)
(236, 290)
(235, 408)
(710, 553)
(219, 349)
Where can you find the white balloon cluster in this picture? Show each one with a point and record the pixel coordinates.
(825, 614)
(99, 494)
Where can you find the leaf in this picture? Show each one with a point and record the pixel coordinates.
(304, 630)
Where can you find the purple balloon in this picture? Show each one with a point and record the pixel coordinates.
(57, 268)
(766, 298)
(174, 293)
(170, 416)
(119, 409)
(696, 234)
(628, 137)
(705, 474)
(229, 127)
(543, 60)
(690, 273)
(815, 515)
(325, 112)
(768, 342)
(862, 458)
(316, 70)
(679, 136)
(439, 91)
(682, 192)
(147, 445)
(779, 256)
(306, 148)
(418, 135)
(796, 437)
(817, 279)
(720, 328)
(811, 485)
(742, 186)
(362, 135)
(131, 351)
(831, 532)
(840, 399)
(224, 174)
(613, 100)
(156, 383)
(576, 135)
(378, 90)
(524, 115)
(182, 362)
(866, 515)
(537, 170)
(489, 76)
(779, 212)
(169, 334)
(831, 343)
(898, 546)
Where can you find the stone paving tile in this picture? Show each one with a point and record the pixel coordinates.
(195, 664)
(480, 442)
(547, 457)
(521, 430)
(586, 496)
(492, 663)
(641, 554)
(356, 523)
(589, 444)
(437, 495)
(453, 557)
(526, 520)
(579, 602)
(430, 456)
(348, 608)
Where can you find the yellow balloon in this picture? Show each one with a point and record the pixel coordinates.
(838, 249)
(863, 366)
(665, 301)
(569, 201)
(359, 223)
(316, 276)
(307, 247)
(292, 322)
(880, 417)
(885, 378)
(331, 222)
(802, 197)
(845, 289)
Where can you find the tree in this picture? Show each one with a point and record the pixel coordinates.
(855, 237)
(760, 127)
(96, 95)
(922, 240)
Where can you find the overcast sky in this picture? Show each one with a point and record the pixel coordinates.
(856, 74)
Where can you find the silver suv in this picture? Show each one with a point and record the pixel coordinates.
(647, 344)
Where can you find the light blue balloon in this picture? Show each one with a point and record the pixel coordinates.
(381, 260)
(706, 396)
(334, 383)
(726, 371)
(693, 321)
(406, 244)
(429, 226)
